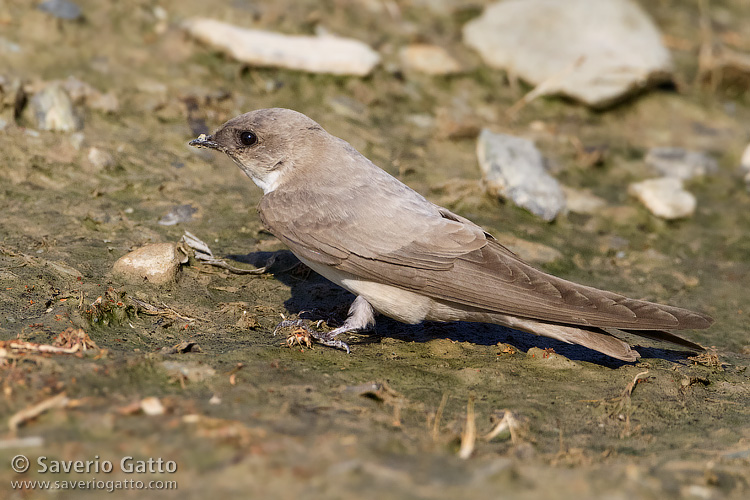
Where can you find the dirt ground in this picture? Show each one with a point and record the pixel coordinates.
(244, 416)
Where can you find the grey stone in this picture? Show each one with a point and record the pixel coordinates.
(514, 169)
(178, 214)
(62, 9)
(593, 51)
(681, 163)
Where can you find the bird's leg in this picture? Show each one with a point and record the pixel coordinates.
(361, 317)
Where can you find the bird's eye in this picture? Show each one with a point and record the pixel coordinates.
(248, 138)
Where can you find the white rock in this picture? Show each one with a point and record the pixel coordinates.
(53, 110)
(513, 168)
(321, 54)
(680, 163)
(156, 263)
(429, 59)
(99, 158)
(664, 197)
(152, 406)
(594, 51)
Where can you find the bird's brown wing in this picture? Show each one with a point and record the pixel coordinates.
(380, 230)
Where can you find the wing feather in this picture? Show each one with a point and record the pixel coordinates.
(379, 229)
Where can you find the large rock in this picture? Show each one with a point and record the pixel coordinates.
(514, 169)
(596, 51)
(314, 54)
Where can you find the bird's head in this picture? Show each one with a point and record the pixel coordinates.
(264, 143)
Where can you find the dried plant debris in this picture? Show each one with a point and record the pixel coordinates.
(107, 309)
(469, 435)
(70, 341)
(204, 254)
(707, 358)
(507, 424)
(181, 348)
(162, 310)
(33, 411)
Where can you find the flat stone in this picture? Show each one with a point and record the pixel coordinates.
(681, 163)
(664, 197)
(156, 263)
(514, 169)
(594, 51)
(314, 54)
(428, 59)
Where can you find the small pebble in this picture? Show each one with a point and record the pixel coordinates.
(178, 214)
(76, 140)
(152, 406)
(664, 197)
(745, 164)
(53, 109)
(680, 163)
(61, 9)
(100, 159)
(156, 263)
(428, 59)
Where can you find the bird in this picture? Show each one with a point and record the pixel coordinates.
(409, 259)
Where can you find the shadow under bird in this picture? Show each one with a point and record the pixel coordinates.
(410, 259)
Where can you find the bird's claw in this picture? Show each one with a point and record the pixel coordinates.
(325, 338)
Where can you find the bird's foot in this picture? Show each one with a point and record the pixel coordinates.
(302, 334)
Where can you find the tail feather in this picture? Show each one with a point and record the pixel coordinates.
(665, 336)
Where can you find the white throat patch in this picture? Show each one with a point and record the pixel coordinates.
(270, 183)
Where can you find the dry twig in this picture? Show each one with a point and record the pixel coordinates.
(58, 401)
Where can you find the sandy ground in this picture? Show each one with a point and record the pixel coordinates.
(241, 414)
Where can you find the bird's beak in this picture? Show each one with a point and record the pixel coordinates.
(205, 141)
